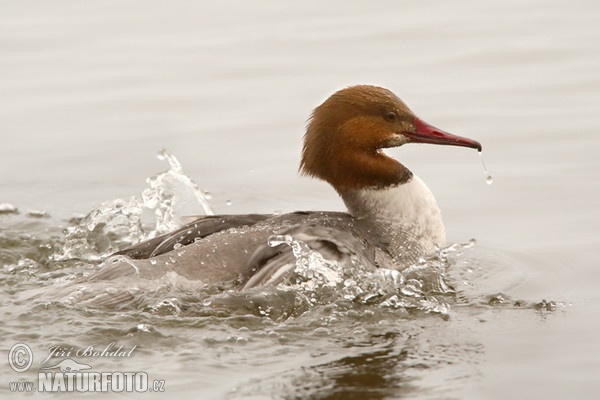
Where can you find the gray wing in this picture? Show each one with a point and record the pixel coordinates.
(198, 229)
(245, 258)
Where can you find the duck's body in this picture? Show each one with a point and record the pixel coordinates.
(392, 220)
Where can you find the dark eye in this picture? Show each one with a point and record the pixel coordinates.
(391, 116)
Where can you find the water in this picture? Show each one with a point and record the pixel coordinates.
(90, 91)
(489, 179)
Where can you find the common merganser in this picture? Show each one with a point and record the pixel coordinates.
(392, 219)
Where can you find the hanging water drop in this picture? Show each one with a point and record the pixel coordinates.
(489, 179)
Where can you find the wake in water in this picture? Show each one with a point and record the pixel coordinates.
(313, 279)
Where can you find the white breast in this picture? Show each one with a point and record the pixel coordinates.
(410, 207)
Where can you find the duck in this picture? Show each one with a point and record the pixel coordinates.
(392, 218)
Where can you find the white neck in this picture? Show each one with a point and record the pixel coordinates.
(409, 208)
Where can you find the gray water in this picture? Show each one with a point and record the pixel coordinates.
(89, 91)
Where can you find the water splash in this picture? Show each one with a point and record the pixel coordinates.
(312, 270)
(99, 233)
(420, 287)
(172, 194)
(489, 179)
(118, 223)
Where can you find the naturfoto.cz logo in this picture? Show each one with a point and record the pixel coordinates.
(69, 375)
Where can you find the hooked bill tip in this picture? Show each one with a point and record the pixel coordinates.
(426, 133)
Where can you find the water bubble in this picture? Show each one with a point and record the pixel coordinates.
(392, 302)
(321, 331)
(144, 328)
(349, 282)
(264, 312)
